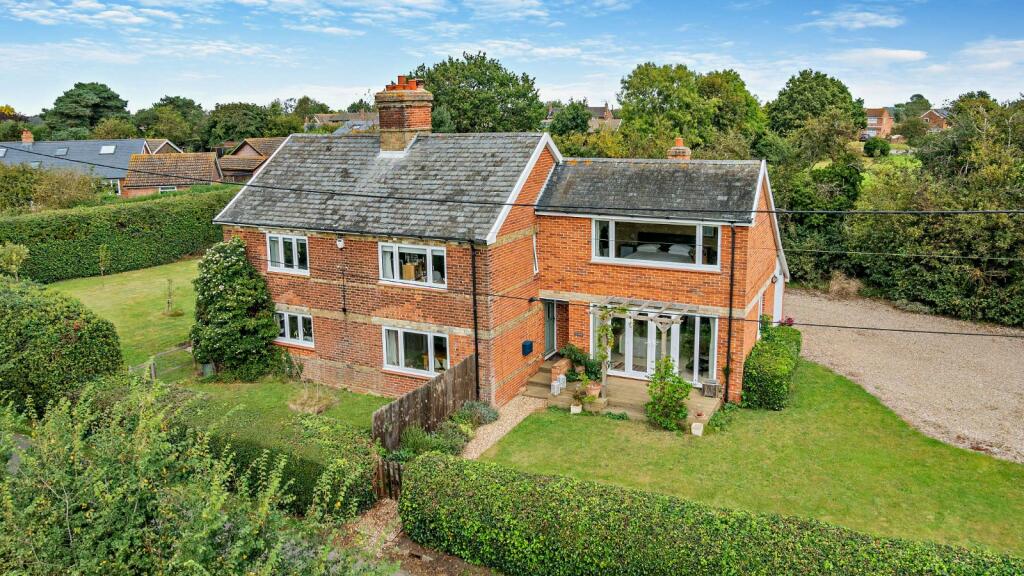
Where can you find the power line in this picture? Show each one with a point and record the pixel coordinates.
(575, 208)
(900, 254)
(374, 281)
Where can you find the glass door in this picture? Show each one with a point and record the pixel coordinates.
(550, 343)
(639, 342)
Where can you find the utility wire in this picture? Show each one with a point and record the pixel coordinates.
(554, 207)
(369, 281)
(900, 254)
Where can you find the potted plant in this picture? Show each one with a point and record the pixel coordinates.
(579, 396)
(593, 387)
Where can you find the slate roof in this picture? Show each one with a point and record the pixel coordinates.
(311, 172)
(704, 188)
(115, 165)
(185, 169)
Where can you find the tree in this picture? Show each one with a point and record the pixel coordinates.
(84, 106)
(482, 95)
(913, 128)
(165, 121)
(234, 314)
(912, 108)
(810, 94)
(236, 121)
(111, 484)
(664, 101)
(112, 128)
(75, 133)
(571, 118)
(360, 105)
(306, 106)
(735, 108)
(668, 393)
(12, 256)
(876, 147)
(822, 137)
(7, 112)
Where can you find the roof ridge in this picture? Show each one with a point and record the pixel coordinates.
(660, 161)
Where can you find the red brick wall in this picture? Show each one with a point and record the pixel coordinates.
(136, 192)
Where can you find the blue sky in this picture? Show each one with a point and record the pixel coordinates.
(338, 50)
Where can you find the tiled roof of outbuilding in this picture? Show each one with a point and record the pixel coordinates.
(241, 163)
(716, 190)
(315, 181)
(186, 169)
(264, 146)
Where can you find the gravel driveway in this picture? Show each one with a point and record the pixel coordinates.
(964, 390)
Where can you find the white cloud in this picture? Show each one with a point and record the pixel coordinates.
(507, 9)
(329, 30)
(850, 19)
(878, 55)
(87, 12)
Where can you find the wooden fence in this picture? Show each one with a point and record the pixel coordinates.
(427, 406)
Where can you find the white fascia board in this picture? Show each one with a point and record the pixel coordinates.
(264, 164)
(545, 142)
(763, 178)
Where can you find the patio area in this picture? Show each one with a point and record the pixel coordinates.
(620, 395)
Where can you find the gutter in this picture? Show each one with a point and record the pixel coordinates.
(732, 285)
(476, 321)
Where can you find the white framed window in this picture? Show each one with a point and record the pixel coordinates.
(415, 352)
(108, 149)
(288, 254)
(115, 186)
(536, 262)
(163, 189)
(413, 264)
(294, 328)
(3, 152)
(645, 243)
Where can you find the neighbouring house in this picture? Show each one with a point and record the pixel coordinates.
(106, 159)
(880, 122)
(937, 119)
(161, 146)
(239, 164)
(332, 119)
(601, 118)
(160, 173)
(359, 123)
(393, 256)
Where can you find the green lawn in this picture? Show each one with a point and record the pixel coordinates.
(836, 454)
(264, 404)
(135, 302)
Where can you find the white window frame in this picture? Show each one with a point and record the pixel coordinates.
(699, 249)
(162, 189)
(108, 149)
(280, 267)
(3, 152)
(536, 262)
(401, 351)
(396, 267)
(116, 185)
(288, 338)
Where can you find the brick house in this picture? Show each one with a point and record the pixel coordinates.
(394, 256)
(160, 173)
(880, 122)
(937, 119)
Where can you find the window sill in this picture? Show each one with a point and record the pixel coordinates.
(288, 271)
(400, 284)
(410, 372)
(295, 344)
(655, 264)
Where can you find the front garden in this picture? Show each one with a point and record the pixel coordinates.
(835, 454)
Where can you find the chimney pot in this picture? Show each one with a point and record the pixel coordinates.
(404, 111)
(679, 151)
(679, 141)
(27, 137)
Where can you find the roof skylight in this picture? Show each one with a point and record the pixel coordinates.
(109, 149)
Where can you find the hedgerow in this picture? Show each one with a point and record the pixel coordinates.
(768, 370)
(50, 344)
(522, 523)
(67, 243)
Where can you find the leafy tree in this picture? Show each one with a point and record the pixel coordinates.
(111, 484)
(772, 147)
(481, 95)
(822, 137)
(236, 121)
(84, 105)
(235, 323)
(876, 147)
(75, 133)
(912, 108)
(913, 128)
(730, 145)
(112, 128)
(441, 120)
(307, 106)
(571, 118)
(810, 94)
(284, 124)
(362, 105)
(665, 101)
(735, 107)
(10, 130)
(12, 256)
(7, 112)
(189, 109)
(165, 121)
(600, 144)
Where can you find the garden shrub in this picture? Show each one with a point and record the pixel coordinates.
(50, 344)
(668, 392)
(449, 438)
(723, 417)
(578, 357)
(66, 243)
(524, 524)
(876, 147)
(475, 413)
(235, 325)
(768, 370)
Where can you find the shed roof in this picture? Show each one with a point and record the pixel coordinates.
(77, 155)
(185, 169)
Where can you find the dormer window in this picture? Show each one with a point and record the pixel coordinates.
(108, 149)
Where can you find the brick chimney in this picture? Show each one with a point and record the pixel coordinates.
(404, 111)
(679, 151)
(26, 137)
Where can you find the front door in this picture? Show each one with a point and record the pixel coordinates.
(550, 343)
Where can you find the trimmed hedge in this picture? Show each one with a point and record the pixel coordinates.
(51, 344)
(66, 243)
(523, 523)
(768, 370)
